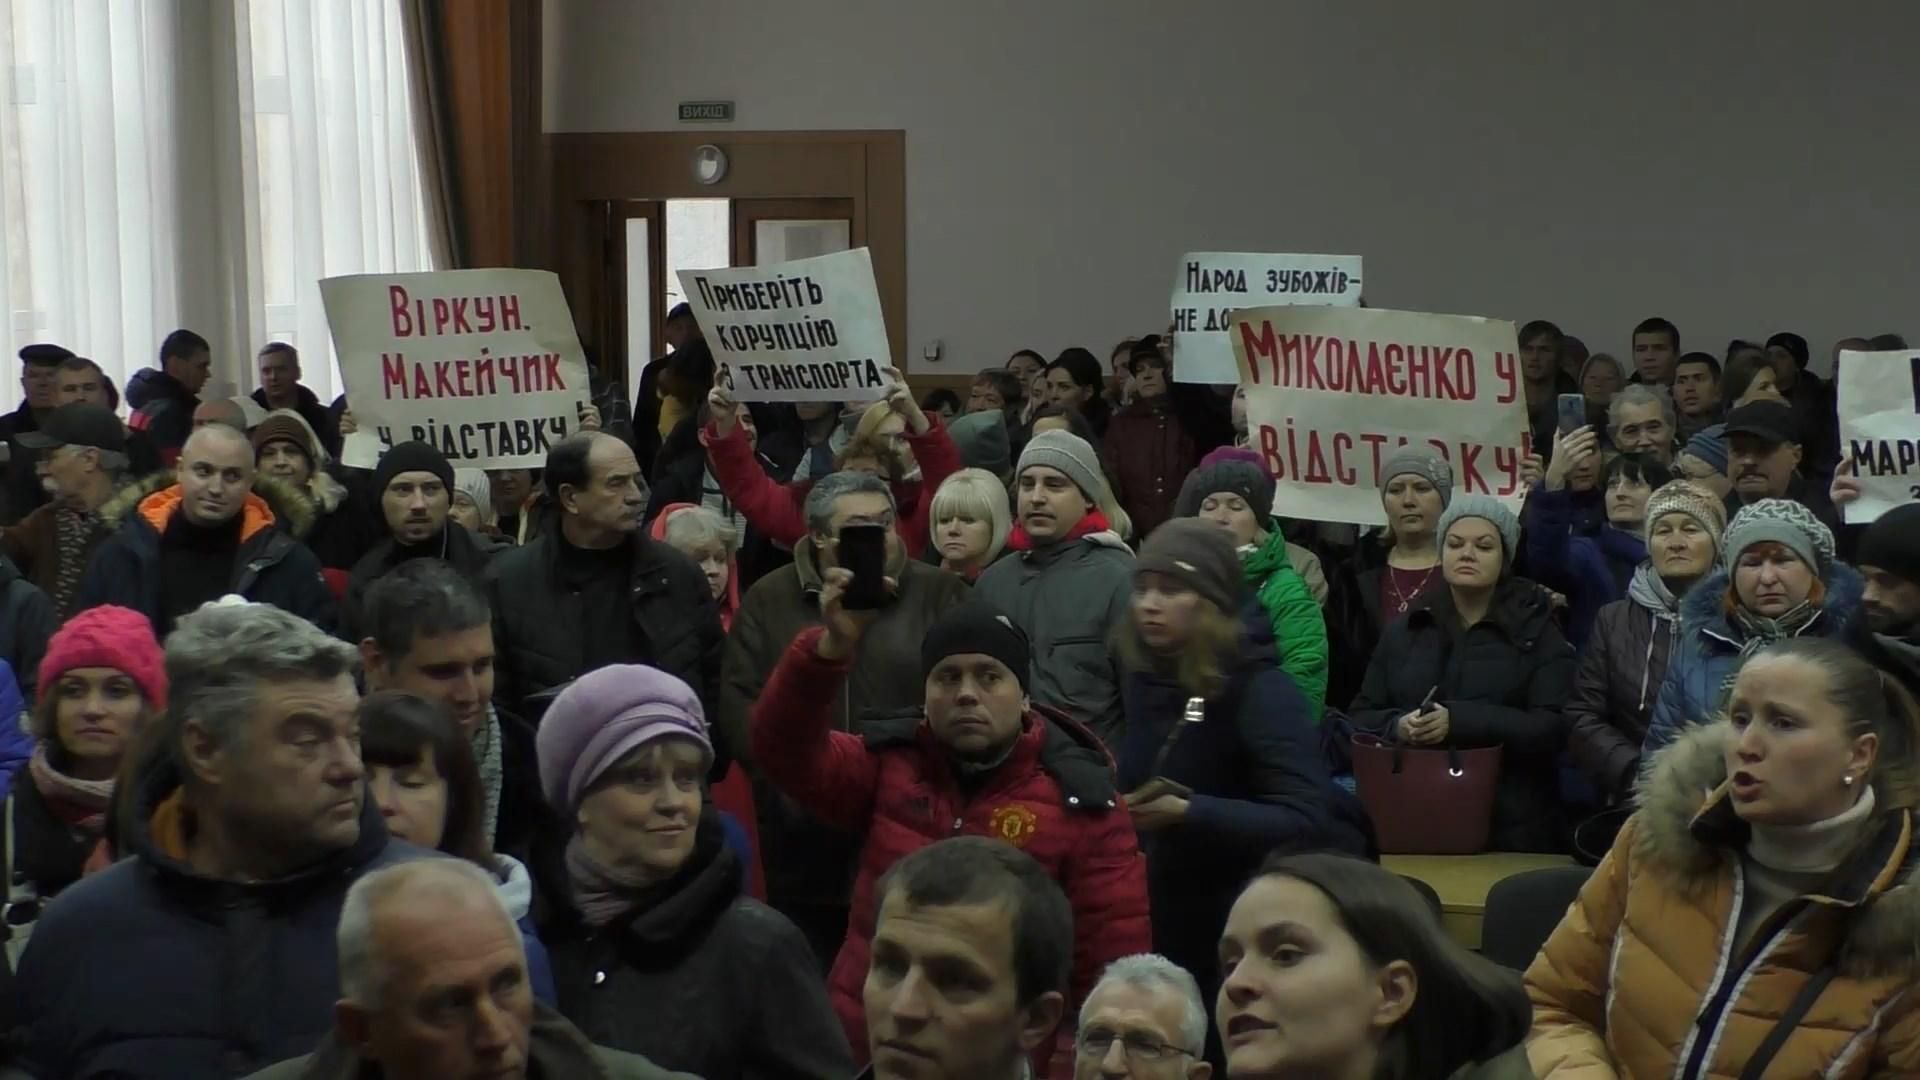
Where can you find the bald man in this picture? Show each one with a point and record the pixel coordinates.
(199, 537)
(433, 986)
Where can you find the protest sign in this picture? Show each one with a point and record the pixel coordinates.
(1880, 430)
(483, 364)
(806, 330)
(1332, 393)
(1209, 285)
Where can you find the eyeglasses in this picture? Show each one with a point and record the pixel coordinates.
(1141, 1048)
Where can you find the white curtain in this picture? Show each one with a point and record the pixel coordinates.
(87, 180)
(333, 161)
(199, 163)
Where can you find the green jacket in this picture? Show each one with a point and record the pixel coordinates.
(1299, 629)
(557, 1051)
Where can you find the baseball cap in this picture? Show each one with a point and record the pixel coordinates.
(78, 424)
(1769, 420)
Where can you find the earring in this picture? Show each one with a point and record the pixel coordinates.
(1847, 779)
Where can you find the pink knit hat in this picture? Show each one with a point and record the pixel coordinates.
(108, 637)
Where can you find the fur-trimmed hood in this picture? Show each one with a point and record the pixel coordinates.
(1687, 830)
(1700, 609)
(294, 510)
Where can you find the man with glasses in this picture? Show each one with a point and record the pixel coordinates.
(1144, 1020)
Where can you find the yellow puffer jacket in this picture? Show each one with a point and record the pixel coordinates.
(1631, 983)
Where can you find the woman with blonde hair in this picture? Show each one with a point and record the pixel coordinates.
(1771, 924)
(701, 534)
(970, 522)
(1219, 751)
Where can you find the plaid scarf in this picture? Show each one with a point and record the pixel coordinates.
(73, 532)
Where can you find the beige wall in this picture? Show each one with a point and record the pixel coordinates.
(1739, 168)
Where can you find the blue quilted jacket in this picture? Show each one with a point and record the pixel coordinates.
(1707, 651)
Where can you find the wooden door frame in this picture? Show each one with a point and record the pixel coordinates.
(868, 167)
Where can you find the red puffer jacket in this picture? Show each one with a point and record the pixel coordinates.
(1054, 798)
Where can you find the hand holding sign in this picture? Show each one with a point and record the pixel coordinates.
(900, 400)
(721, 408)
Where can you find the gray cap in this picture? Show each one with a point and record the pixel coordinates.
(1487, 508)
(1072, 455)
(1779, 521)
(1422, 463)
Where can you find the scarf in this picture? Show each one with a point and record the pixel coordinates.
(486, 755)
(603, 893)
(1758, 632)
(1650, 591)
(72, 529)
(1810, 849)
(89, 797)
(1095, 521)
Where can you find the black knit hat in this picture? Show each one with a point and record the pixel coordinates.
(977, 627)
(1200, 555)
(411, 457)
(1892, 543)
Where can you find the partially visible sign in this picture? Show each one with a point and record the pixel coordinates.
(805, 330)
(1879, 403)
(1333, 392)
(483, 364)
(706, 112)
(1209, 285)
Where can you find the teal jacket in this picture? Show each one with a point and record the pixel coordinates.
(1299, 629)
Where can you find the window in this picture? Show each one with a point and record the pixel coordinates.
(128, 203)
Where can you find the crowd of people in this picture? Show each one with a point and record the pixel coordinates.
(975, 739)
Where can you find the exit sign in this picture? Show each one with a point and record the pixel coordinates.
(706, 112)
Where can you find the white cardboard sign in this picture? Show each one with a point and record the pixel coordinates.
(484, 364)
(806, 330)
(1209, 285)
(1333, 392)
(1879, 401)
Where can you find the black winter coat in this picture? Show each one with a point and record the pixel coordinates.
(149, 969)
(702, 980)
(163, 408)
(325, 425)
(1900, 659)
(539, 631)
(1503, 682)
(271, 567)
(27, 621)
(1259, 784)
(457, 547)
(1614, 691)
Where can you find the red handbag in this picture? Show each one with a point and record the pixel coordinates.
(1426, 802)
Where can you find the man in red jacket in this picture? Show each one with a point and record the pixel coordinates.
(979, 759)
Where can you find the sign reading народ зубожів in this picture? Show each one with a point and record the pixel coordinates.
(1333, 392)
(1879, 405)
(805, 330)
(1209, 285)
(483, 364)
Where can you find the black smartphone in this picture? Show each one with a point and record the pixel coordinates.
(1572, 412)
(863, 552)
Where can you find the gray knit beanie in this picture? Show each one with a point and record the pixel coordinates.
(1421, 463)
(1072, 455)
(1780, 521)
(1222, 473)
(1487, 508)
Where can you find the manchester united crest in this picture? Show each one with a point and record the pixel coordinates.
(1014, 824)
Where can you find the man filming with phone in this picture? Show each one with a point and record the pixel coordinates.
(977, 757)
(850, 525)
